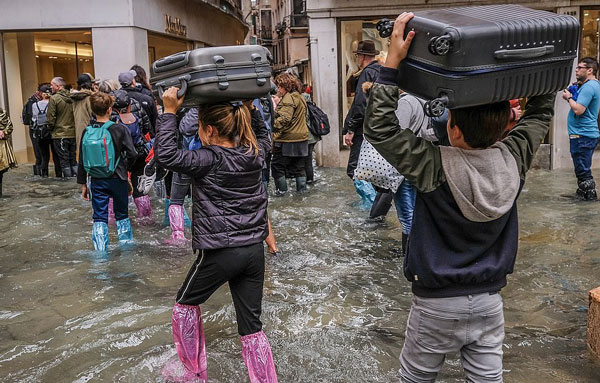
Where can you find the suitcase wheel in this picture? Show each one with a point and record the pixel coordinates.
(440, 45)
(385, 27)
(436, 107)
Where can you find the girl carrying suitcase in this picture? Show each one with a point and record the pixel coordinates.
(229, 224)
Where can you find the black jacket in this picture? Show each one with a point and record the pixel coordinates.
(123, 148)
(229, 198)
(356, 114)
(147, 103)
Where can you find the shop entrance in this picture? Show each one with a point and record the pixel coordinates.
(590, 31)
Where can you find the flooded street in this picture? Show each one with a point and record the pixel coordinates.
(335, 300)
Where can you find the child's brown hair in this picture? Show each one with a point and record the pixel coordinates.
(101, 102)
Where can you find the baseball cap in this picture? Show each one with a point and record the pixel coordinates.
(126, 78)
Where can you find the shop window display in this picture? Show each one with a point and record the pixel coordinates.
(590, 39)
(351, 33)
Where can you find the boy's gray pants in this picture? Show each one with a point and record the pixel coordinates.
(471, 324)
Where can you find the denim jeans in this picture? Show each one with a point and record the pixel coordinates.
(582, 149)
(102, 190)
(472, 325)
(404, 199)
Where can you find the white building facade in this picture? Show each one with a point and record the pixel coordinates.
(44, 39)
(335, 26)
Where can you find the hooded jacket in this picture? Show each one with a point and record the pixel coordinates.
(82, 111)
(60, 115)
(229, 198)
(147, 103)
(465, 228)
(290, 119)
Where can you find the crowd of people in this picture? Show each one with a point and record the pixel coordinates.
(454, 181)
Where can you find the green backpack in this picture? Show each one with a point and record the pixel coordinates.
(99, 159)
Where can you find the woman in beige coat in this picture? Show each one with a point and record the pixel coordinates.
(7, 156)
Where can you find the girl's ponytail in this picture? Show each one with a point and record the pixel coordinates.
(243, 122)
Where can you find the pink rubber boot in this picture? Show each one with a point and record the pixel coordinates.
(144, 209)
(177, 221)
(256, 352)
(188, 335)
(111, 213)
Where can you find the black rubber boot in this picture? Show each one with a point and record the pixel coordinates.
(44, 173)
(381, 206)
(301, 184)
(587, 190)
(66, 172)
(404, 244)
(280, 185)
(36, 170)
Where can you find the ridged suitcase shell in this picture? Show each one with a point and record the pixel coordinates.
(215, 74)
(488, 54)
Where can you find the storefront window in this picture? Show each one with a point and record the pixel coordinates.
(63, 53)
(590, 41)
(351, 33)
(160, 46)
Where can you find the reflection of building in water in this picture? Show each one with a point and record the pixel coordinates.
(102, 38)
(336, 26)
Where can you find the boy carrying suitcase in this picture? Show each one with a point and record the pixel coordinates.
(464, 236)
(105, 150)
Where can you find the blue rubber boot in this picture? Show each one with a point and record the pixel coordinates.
(100, 236)
(186, 218)
(166, 221)
(366, 192)
(124, 232)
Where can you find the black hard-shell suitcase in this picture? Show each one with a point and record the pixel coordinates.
(477, 55)
(215, 74)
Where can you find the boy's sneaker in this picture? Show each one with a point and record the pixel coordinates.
(146, 180)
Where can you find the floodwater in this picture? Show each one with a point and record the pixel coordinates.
(335, 301)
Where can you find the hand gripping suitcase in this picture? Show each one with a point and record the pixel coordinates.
(216, 74)
(477, 55)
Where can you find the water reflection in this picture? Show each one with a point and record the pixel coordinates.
(335, 301)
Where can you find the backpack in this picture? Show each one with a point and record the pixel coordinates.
(319, 123)
(134, 129)
(99, 157)
(41, 122)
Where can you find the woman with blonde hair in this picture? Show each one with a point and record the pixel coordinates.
(290, 135)
(229, 225)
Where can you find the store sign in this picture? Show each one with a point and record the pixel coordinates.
(173, 25)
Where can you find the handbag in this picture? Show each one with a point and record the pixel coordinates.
(373, 168)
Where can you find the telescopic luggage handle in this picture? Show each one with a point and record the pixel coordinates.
(183, 83)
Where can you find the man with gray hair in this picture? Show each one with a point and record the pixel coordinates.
(61, 122)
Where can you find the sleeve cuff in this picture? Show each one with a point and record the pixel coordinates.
(387, 76)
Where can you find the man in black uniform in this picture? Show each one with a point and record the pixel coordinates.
(353, 125)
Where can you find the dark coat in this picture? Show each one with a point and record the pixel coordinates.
(356, 114)
(147, 103)
(229, 198)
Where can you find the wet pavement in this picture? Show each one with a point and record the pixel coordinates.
(335, 303)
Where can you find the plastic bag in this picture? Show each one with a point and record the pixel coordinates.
(373, 168)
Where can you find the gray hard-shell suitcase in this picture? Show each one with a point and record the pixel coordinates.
(215, 74)
(477, 55)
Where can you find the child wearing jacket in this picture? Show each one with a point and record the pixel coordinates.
(464, 236)
(116, 186)
(229, 223)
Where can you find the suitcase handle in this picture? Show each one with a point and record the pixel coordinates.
(527, 53)
(183, 83)
(171, 62)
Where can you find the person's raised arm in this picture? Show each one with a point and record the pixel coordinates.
(527, 135)
(193, 162)
(415, 158)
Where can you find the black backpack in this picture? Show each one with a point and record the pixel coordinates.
(319, 123)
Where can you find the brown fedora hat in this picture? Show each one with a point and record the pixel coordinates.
(366, 47)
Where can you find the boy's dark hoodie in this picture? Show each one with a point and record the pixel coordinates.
(465, 228)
